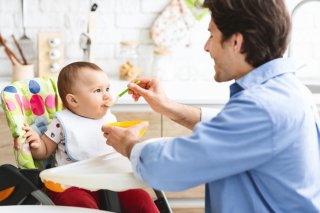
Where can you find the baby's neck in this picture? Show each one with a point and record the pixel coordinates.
(84, 116)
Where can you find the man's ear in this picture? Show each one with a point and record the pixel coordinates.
(71, 100)
(237, 42)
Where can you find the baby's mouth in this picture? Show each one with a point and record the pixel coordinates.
(109, 103)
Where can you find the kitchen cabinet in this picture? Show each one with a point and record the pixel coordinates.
(172, 129)
(6, 142)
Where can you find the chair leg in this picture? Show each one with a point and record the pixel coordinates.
(162, 202)
(109, 201)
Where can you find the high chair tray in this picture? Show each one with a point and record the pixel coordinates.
(111, 171)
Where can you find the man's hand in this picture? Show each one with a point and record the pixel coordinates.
(31, 137)
(123, 139)
(152, 92)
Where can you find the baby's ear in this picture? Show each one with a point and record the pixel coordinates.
(71, 100)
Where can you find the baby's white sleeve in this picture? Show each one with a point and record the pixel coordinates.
(55, 131)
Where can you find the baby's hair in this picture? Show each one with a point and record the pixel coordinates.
(69, 75)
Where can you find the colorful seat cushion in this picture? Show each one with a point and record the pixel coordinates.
(33, 102)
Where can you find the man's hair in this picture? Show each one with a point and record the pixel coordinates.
(69, 75)
(264, 24)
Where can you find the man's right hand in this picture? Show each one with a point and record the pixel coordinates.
(152, 92)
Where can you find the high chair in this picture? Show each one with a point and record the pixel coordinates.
(35, 102)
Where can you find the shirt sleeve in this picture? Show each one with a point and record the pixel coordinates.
(237, 139)
(136, 151)
(54, 131)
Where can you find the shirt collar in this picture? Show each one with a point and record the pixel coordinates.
(265, 72)
(234, 89)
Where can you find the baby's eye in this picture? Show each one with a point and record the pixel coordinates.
(97, 90)
(107, 89)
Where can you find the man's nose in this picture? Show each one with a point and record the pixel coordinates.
(206, 48)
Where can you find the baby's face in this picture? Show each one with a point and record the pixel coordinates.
(92, 94)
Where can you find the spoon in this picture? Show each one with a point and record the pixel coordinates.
(113, 102)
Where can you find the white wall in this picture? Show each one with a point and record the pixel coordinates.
(305, 43)
(123, 20)
(117, 20)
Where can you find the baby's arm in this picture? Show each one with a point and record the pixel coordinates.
(41, 148)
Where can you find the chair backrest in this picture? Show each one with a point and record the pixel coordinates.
(23, 102)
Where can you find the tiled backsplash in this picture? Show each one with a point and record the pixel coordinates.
(119, 20)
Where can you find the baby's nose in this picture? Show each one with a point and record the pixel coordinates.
(105, 95)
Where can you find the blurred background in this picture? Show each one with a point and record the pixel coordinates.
(116, 21)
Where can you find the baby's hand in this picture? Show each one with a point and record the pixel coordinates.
(31, 137)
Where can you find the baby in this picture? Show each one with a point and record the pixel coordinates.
(75, 134)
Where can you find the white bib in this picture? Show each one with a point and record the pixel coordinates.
(83, 136)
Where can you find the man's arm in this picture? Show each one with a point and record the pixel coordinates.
(187, 116)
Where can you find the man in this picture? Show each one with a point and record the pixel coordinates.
(261, 152)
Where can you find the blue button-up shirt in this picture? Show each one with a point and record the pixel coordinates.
(259, 154)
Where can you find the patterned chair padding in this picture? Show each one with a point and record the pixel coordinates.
(34, 102)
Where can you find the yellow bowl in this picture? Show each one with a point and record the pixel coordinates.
(126, 124)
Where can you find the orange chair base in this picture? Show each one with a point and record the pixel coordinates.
(56, 187)
(6, 193)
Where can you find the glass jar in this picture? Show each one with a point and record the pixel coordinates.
(129, 68)
(162, 67)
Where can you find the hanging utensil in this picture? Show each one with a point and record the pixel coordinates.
(91, 31)
(85, 43)
(25, 42)
(87, 38)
